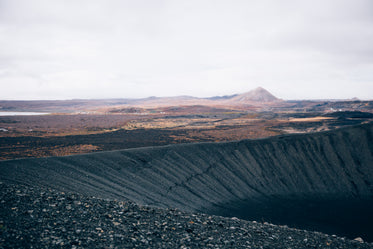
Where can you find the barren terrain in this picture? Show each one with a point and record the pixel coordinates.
(318, 182)
(303, 164)
(101, 125)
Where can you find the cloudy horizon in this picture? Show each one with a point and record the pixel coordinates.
(134, 49)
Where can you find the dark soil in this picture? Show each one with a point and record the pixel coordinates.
(19, 147)
(44, 218)
(350, 114)
(345, 217)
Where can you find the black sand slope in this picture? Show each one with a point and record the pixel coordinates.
(321, 181)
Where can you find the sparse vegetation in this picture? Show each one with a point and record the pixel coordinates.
(94, 125)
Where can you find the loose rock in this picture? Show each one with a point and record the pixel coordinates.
(27, 220)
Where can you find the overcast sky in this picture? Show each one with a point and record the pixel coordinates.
(64, 49)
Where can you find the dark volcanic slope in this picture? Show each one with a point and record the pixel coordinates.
(44, 218)
(320, 181)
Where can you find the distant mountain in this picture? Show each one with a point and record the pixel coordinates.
(257, 95)
(222, 97)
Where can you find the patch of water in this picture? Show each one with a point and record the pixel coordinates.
(22, 113)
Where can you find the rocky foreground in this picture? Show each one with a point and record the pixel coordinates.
(45, 218)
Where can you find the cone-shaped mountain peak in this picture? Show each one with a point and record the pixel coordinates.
(257, 95)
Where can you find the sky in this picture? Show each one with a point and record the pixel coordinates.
(296, 49)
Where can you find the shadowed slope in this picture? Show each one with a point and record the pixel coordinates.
(296, 179)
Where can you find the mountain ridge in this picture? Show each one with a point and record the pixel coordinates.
(258, 90)
(258, 99)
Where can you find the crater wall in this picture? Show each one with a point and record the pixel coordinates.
(308, 181)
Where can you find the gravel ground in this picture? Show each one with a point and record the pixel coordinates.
(45, 218)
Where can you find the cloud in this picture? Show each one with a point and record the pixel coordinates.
(103, 49)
